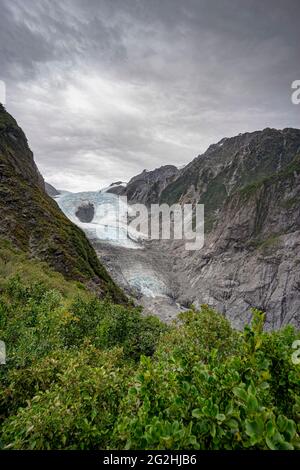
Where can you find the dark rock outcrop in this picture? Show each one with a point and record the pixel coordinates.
(146, 188)
(118, 188)
(85, 213)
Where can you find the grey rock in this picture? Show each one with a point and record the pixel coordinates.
(85, 213)
(146, 188)
(51, 190)
(251, 256)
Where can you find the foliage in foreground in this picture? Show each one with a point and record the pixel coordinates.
(87, 374)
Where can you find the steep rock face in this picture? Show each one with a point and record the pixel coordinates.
(14, 147)
(147, 187)
(33, 222)
(118, 188)
(252, 257)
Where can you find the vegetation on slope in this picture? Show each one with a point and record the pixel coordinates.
(238, 163)
(86, 374)
(277, 195)
(33, 221)
(289, 172)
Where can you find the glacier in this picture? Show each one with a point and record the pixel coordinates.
(109, 222)
(134, 266)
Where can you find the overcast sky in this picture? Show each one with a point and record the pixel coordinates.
(106, 88)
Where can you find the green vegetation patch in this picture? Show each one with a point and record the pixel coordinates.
(266, 244)
(87, 374)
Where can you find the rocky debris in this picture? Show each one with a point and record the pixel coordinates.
(145, 274)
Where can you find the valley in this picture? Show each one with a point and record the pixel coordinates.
(150, 232)
(143, 269)
(94, 358)
(250, 188)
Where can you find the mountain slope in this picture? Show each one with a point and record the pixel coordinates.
(252, 257)
(146, 188)
(250, 188)
(51, 190)
(33, 222)
(230, 165)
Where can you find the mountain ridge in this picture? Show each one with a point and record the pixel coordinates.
(231, 164)
(146, 187)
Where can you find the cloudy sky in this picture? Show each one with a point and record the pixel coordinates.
(106, 88)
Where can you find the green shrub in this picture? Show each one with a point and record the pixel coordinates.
(88, 374)
(193, 397)
(108, 325)
(78, 410)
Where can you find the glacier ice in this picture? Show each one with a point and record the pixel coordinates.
(107, 226)
(145, 281)
(110, 217)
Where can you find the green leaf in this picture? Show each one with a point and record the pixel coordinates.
(233, 424)
(252, 404)
(287, 427)
(254, 428)
(213, 429)
(277, 442)
(197, 413)
(240, 393)
(221, 417)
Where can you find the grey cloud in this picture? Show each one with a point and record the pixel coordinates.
(20, 47)
(106, 88)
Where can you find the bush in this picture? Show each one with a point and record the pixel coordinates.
(88, 374)
(108, 325)
(196, 397)
(78, 410)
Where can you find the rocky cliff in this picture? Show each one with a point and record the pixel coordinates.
(250, 186)
(147, 187)
(33, 222)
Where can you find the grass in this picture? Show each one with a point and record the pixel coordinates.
(15, 263)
